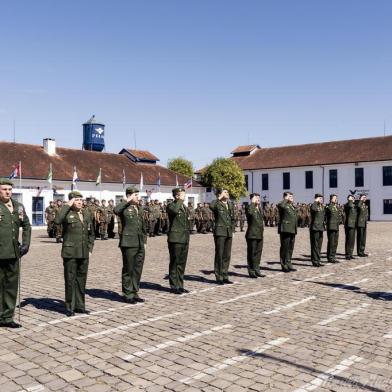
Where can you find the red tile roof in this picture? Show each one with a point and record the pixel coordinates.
(330, 153)
(35, 165)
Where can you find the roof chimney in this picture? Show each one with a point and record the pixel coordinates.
(50, 146)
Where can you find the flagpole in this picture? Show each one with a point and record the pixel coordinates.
(100, 184)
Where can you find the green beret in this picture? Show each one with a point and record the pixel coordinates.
(176, 191)
(131, 190)
(6, 181)
(318, 195)
(74, 195)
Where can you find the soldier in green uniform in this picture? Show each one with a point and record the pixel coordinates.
(178, 240)
(362, 217)
(59, 228)
(78, 233)
(132, 244)
(50, 214)
(242, 217)
(12, 218)
(254, 235)
(332, 218)
(103, 219)
(287, 229)
(316, 229)
(223, 235)
(191, 213)
(110, 219)
(350, 212)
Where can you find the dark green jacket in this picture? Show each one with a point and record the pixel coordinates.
(350, 211)
(178, 222)
(133, 233)
(332, 217)
(224, 218)
(78, 236)
(255, 219)
(288, 219)
(317, 214)
(9, 230)
(362, 213)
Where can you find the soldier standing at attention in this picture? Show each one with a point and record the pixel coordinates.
(254, 235)
(59, 228)
(362, 213)
(12, 218)
(77, 247)
(191, 212)
(332, 215)
(50, 214)
(242, 217)
(103, 220)
(350, 212)
(223, 235)
(287, 228)
(110, 219)
(316, 229)
(132, 244)
(178, 240)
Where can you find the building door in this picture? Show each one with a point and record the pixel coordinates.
(38, 211)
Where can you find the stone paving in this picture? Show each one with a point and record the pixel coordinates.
(324, 329)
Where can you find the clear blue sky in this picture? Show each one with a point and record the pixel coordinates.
(195, 78)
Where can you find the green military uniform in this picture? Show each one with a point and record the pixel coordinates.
(103, 220)
(12, 218)
(223, 237)
(178, 242)
(132, 245)
(59, 228)
(316, 231)
(242, 217)
(110, 219)
(254, 239)
(50, 214)
(78, 243)
(287, 228)
(332, 215)
(362, 217)
(350, 213)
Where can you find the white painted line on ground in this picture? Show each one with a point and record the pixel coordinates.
(360, 266)
(343, 315)
(34, 388)
(388, 336)
(210, 289)
(233, 361)
(313, 278)
(127, 326)
(170, 343)
(290, 305)
(344, 285)
(329, 374)
(246, 296)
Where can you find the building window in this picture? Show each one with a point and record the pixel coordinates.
(309, 179)
(286, 180)
(246, 182)
(387, 175)
(333, 178)
(359, 177)
(264, 182)
(388, 206)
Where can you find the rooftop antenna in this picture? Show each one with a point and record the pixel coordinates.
(14, 132)
(134, 138)
(248, 138)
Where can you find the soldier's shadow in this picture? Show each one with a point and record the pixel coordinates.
(154, 286)
(52, 304)
(104, 294)
(195, 278)
(244, 266)
(231, 273)
(297, 264)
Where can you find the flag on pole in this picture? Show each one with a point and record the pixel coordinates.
(50, 175)
(74, 178)
(159, 182)
(16, 172)
(124, 180)
(98, 181)
(188, 184)
(176, 181)
(141, 182)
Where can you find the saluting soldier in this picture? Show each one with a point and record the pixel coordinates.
(254, 235)
(287, 228)
(12, 218)
(178, 240)
(316, 229)
(350, 212)
(132, 244)
(223, 235)
(362, 213)
(332, 215)
(76, 250)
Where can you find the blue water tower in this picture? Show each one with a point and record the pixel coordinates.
(93, 135)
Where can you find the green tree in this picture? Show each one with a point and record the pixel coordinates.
(225, 173)
(181, 165)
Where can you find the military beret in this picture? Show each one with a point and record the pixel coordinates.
(219, 191)
(6, 181)
(74, 195)
(252, 195)
(131, 190)
(176, 191)
(362, 194)
(318, 195)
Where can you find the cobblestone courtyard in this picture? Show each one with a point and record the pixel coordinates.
(321, 329)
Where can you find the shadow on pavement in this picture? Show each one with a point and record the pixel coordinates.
(105, 294)
(154, 286)
(52, 304)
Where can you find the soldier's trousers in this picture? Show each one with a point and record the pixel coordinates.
(316, 243)
(350, 241)
(133, 260)
(333, 240)
(9, 273)
(287, 241)
(103, 229)
(254, 250)
(111, 228)
(242, 224)
(222, 257)
(361, 240)
(59, 231)
(75, 278)
(151, 226)
(178, 257)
